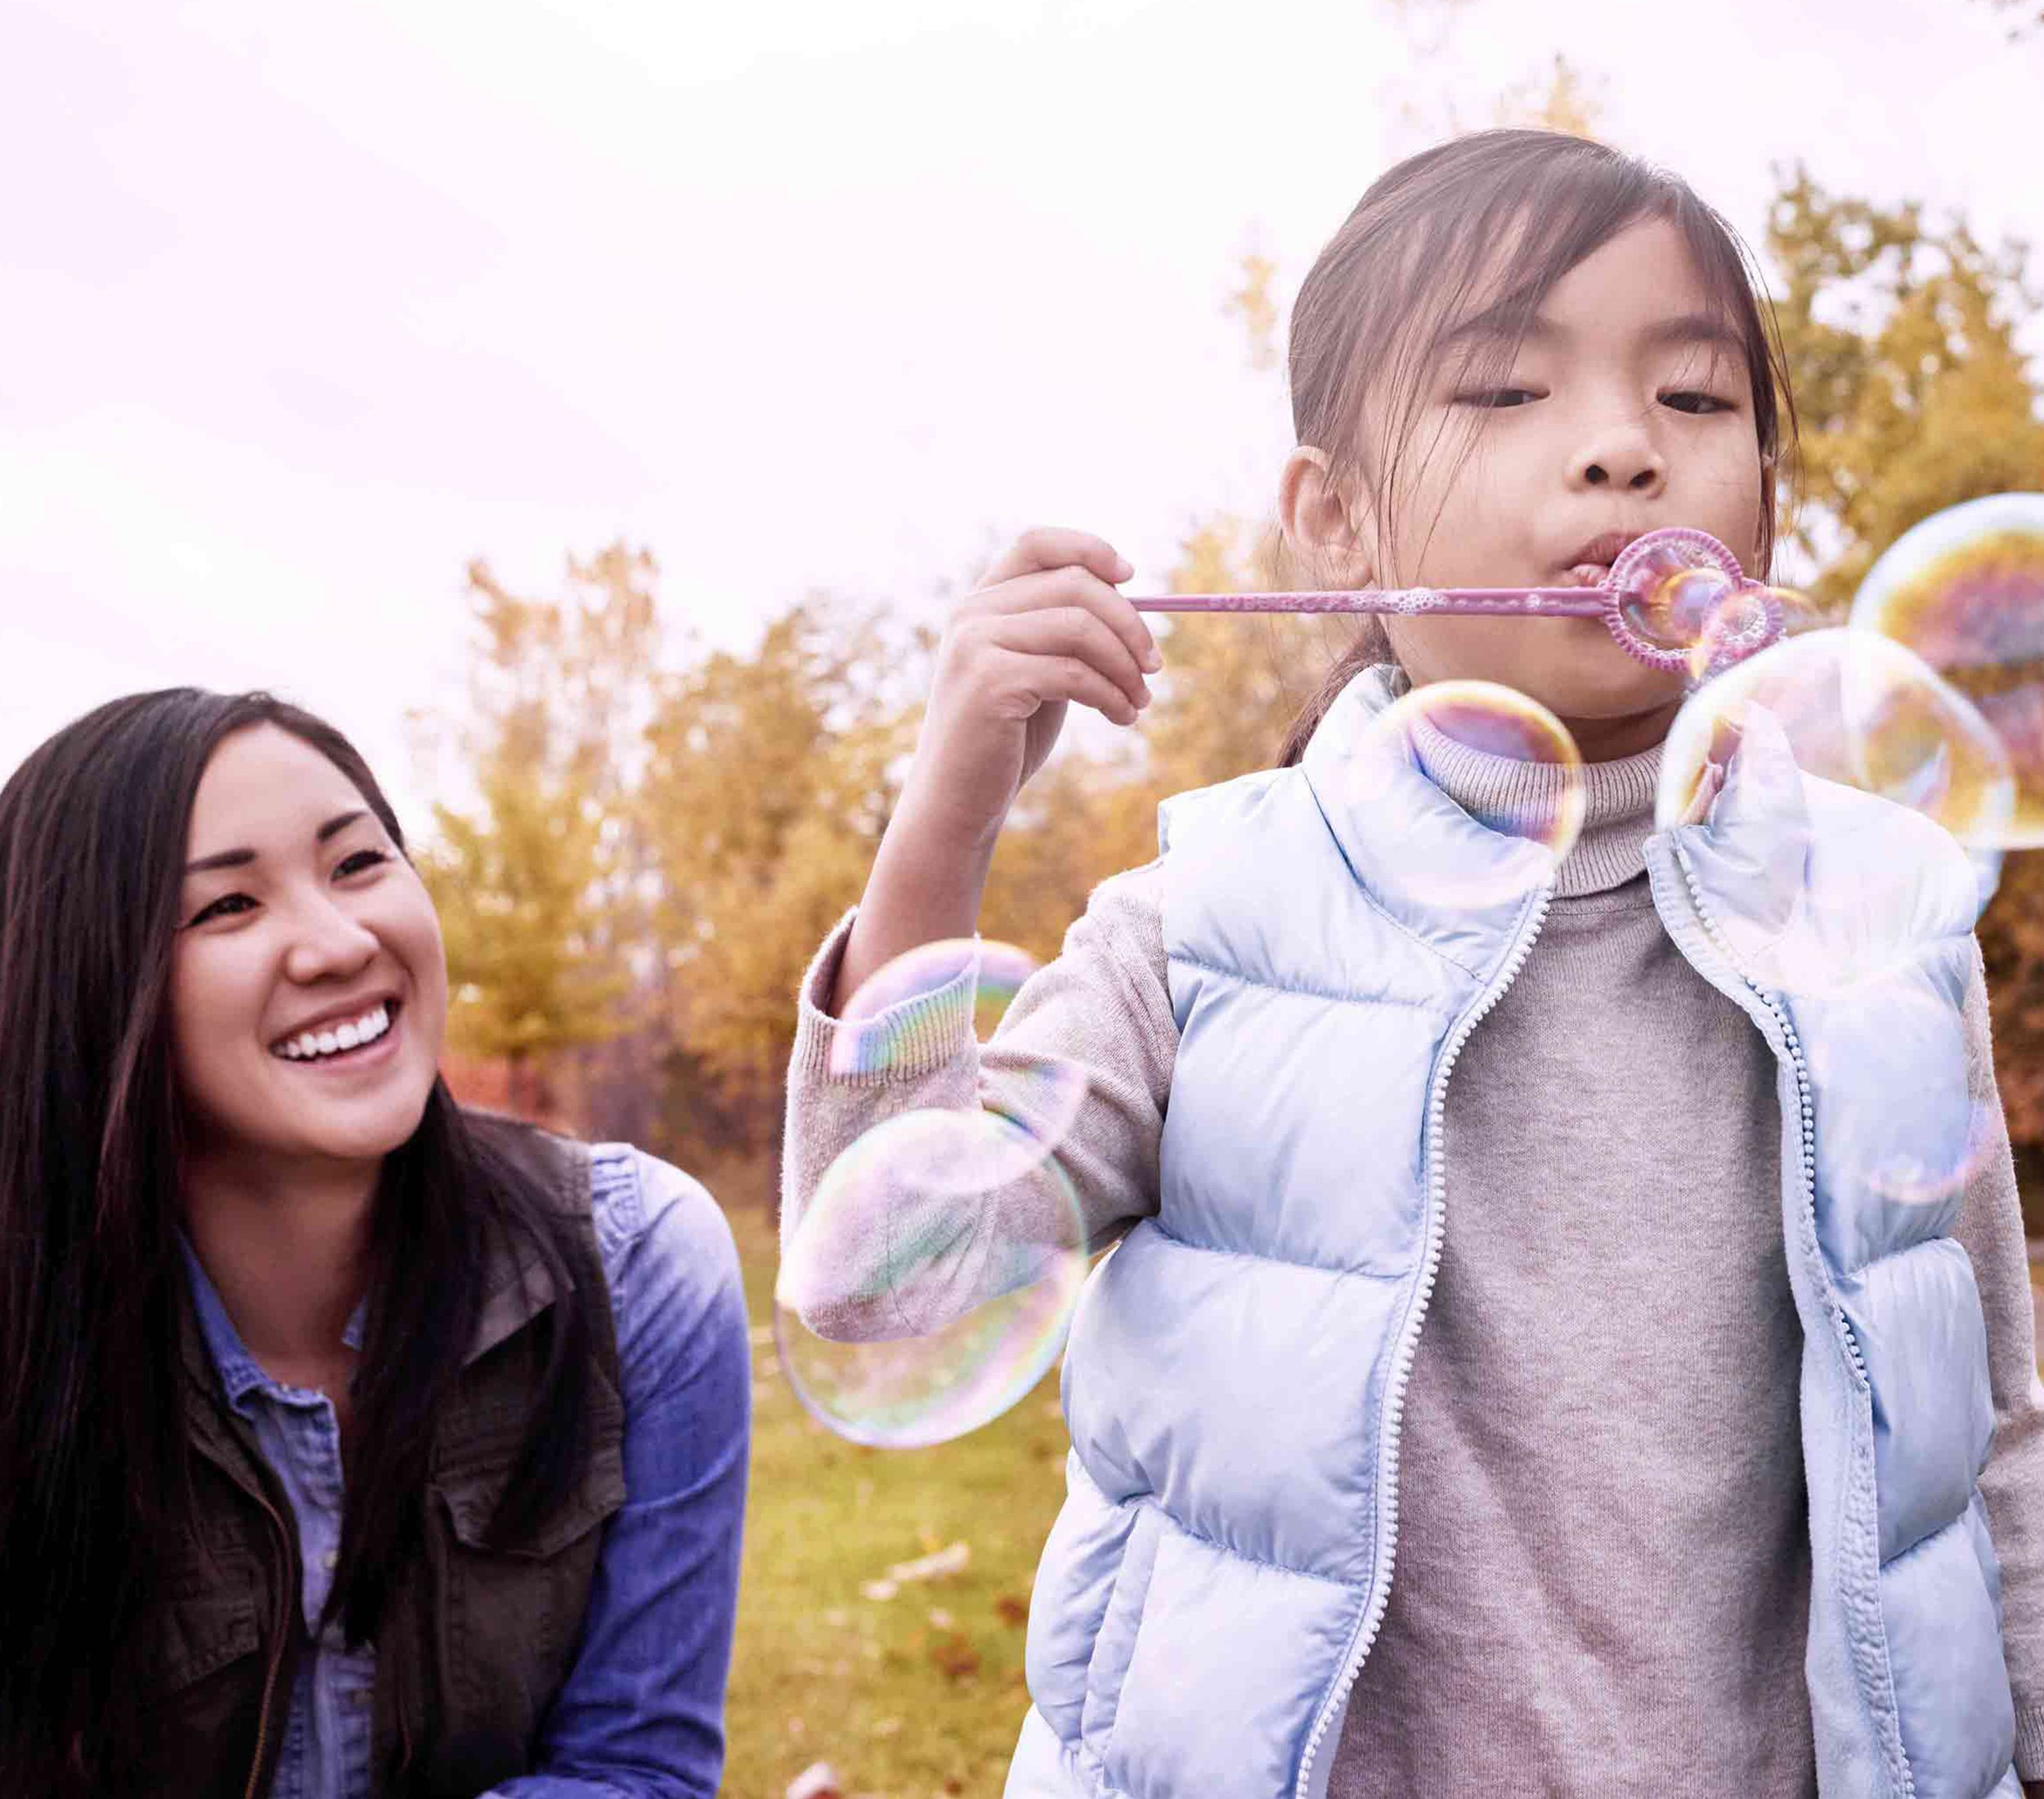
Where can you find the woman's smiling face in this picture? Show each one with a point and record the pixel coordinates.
(300, 916)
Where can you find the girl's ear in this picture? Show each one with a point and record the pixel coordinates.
(1319, 526)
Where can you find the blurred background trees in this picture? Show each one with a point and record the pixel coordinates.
(656, 846)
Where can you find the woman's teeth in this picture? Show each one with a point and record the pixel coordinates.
(309, 1046)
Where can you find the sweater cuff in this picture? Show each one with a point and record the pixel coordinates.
(903, 1041)
(2029, 1742)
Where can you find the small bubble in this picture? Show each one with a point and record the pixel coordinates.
(1465, 734)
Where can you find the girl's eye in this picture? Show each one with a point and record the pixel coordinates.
(370, 858)
(1494, 397)
(1711, 403)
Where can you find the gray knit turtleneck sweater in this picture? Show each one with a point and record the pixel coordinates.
(1602, 1570)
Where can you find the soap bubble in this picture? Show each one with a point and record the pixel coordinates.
(1673, 614)
(1905, 1126)
(1964, 589)
(916, 974)
(1738, 623)
(1456, 733)
(881, 1030)
(943, 1254)
(935, 1311)
(1912, 1179)
(1854, 708)
(1858, 709)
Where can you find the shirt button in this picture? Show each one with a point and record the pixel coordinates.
(331, 1560)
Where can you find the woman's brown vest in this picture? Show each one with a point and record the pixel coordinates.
(476, 1642)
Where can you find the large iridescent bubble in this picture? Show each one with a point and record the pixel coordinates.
(1854, 709)
(1964, 589)
(1470, 735)
(1857, 709)
(929, 1284)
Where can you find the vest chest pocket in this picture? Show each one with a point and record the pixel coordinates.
(509, 1618)
(209, 1614)
(208, 1669)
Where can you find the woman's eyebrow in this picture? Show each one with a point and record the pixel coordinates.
(236, 858)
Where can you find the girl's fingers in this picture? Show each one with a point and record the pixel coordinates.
(1050, 546)
(1068, 587)
(1076, 633)
(1047, 678)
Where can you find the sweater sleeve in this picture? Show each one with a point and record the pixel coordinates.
(1096, 1021)
(1991, 1228)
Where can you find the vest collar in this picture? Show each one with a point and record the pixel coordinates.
(1408, 843)
(517, 1288)
(1413, 848)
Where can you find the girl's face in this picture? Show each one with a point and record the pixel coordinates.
(1627, 408)
(315, 922)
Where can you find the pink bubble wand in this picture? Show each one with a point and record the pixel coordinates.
(1675, 598)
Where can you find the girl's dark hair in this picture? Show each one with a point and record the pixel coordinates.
(1400, 270)
(95, 1484)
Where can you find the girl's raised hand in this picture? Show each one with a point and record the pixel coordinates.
(1045, 627)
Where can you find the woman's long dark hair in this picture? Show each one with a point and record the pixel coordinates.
(1397, 273)
(94, 1476)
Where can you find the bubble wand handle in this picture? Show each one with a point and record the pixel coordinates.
(1498, 602)
(1675, 598)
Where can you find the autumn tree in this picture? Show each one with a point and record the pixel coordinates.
(770, 779)
(1911, 394)
(536, 882)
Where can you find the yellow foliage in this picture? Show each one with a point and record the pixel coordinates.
(770, 779)
(1561, 100)
(1910, 392)
(533, 890)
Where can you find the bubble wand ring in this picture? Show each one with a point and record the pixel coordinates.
(1667, 593)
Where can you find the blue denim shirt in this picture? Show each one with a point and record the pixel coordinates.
(642, 1711)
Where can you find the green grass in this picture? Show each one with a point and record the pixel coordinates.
(919, 1694)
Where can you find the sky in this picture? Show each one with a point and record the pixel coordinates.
(309, 307)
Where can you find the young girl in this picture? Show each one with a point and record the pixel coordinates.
(350, 1442)
(1508, 1380)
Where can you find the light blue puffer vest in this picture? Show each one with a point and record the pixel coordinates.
(1236, 1370)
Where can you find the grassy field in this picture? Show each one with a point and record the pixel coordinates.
(915, 1695)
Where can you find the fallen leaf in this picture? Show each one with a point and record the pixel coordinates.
(1012, 1610)
(955, 1656)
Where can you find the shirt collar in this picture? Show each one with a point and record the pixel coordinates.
(240, 1372)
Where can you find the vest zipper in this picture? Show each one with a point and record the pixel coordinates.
(290, 1587)
(1401, 1374)
(1805, 1160)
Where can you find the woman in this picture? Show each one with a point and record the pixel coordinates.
(350, 1442)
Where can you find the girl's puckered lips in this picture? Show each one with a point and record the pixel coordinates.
(1603, 550)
